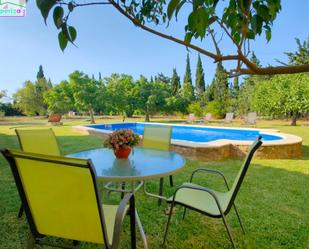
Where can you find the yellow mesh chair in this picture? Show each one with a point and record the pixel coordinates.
(41, 141)
(158, 137)
(61, 199)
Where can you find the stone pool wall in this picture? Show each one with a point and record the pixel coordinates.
(287, 148)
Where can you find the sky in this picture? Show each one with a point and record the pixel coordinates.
(108, 43)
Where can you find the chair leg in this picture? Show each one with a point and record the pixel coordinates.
(184, 213)
(171, 181)
(168, 223)
(20, 212)
(123, 187)
(228, 231)
(160, 190)
(238, 217)
(141, 230)
(31, 242)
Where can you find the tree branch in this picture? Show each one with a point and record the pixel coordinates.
(171, 38)
(239, 57)
(272, 70)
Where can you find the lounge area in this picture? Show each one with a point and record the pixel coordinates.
(264, 222)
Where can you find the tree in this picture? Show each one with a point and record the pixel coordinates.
(2, 94)
(221, 89)
(119, 90)
(301, 56)
(246, 90)
(85, 92)
(241, 22)
(60, 98)
(40, 74)
(235, 88)
(283, 96)
(187, 87)
(175, 82)
(199, 78)
(151, 97)
(30, 98)
(162, 78)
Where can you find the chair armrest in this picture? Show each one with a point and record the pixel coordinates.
(212, 171)
(208, 190)
(121, 212)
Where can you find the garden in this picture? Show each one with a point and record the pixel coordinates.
(272, 201)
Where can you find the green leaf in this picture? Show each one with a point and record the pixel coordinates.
(73, 33)
(256, 24)
(63, 41)
(268, 35)
(188, 37)
(65, 31)
(45, 6)
(171, 8)
(71, 6)
(179, 7)
(236, 37)
(58, 16)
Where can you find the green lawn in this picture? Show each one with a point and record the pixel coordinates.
(273, 200)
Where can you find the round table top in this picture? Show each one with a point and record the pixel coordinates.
(142, 164)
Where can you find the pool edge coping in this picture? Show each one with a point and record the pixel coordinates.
(287, 139)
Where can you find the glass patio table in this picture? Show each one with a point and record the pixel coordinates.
(142, 164)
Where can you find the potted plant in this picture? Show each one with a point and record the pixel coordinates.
(122, 141)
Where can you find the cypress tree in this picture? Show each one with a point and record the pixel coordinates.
(175, 81)
(199, 78)
(40, 74)
(188, 89)
(221, 88)
(235, 89)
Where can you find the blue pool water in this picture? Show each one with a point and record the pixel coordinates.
(192, 133)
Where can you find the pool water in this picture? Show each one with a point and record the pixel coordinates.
(194, 133)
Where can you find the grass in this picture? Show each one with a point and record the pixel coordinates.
(273, 200)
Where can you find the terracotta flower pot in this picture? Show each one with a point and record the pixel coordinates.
(123, 152)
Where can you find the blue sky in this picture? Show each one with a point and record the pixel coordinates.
(108, 43)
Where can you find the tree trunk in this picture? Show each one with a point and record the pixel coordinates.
(91, 116)
(294, 118)
(147, 118)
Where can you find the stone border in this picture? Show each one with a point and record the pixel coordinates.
(290, 146)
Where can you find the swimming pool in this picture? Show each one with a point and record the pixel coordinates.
(213, 143)
(194, 133)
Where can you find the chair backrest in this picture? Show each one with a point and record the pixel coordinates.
(54, 118)
(243, 170)
(191, 118)
(251, 118)
(207, 117)
(229, 117)
(59, 195)
(157, 137)
(41, 141)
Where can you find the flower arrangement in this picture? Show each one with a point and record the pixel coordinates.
(122, 138)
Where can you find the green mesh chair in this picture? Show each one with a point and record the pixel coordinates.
(158, 137)
(41, 141)
(210, 202)
(61, 199)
